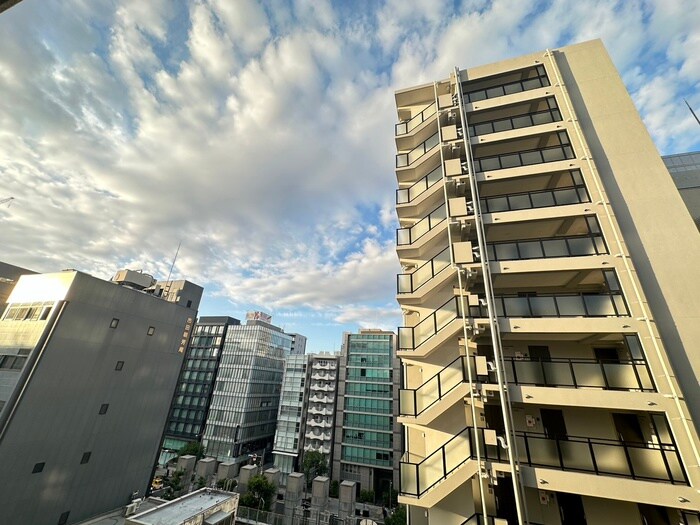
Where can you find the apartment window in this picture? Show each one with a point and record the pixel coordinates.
(38, 467)
(64, 518)
(119, 366)
(85, 458)
(114, 323)
(151, 330)
(103, 409)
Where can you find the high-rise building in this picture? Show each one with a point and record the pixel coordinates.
(319, 418)
(298, 344)
(367, 436)
(243, 411)
(550, 294)
(685, 172)
(195, 386)
(293, 399)
(87, 373)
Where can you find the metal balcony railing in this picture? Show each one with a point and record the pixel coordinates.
(520, 121)
(536, 199)
(406, 159)
(508, 88)
(603, 304)
(405, 236)
(409, 125)
(419, 477)
(411, 337)
(406, 195)
(547, 248)
(607, 374)
(524, 158)
(411, 282)
(608, 457)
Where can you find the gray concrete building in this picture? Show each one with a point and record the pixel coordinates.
(685, 172)
(367, 440)
(298, 344)
(91, 371)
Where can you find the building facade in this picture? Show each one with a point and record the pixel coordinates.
(685, 172)
(92, 369)
(550, 341)
(195, 386)
(319, 419)
(243, 412)
(367, 436)
(298, 344)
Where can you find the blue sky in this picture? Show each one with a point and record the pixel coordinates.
(260, 134)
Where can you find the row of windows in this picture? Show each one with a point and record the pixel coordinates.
(115, 322)
(194, 401)
(368, 439)
(39, 467)
(184, 428)
(360, 404)
(369, 389)
(28, 312)
(369, 374)
(209, 329)
(367, 456)
(370, 360)
(200, 364)
(191, 388)
(196, 415)
(197, 376)
(202, 352)
(12, 362)
(206, 341)
(368, 421)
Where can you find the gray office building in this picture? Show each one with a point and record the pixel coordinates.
(195, 386)
(685, 172)
(243, 411)
(87, 374)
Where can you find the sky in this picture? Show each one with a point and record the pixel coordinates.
(260, 134)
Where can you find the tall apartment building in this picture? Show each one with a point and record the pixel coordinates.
(195, 385)
(367, 436)
(550, 349)
(243, 411)
(319, 418)
(685, 172)
(87, 373)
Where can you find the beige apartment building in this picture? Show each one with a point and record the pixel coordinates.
(550, 291)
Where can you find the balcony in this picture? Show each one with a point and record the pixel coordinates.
(419, 476)
(412, 337)
(407, 283)
(606, 374)
(582, 304)
(402, 128)
(318, 436)
(547, 247)
(319, 424)
(575, 194)
(607, 457)
(524, 158)
(407, 236)
(407, 159)
(408, 195)
(493, 87)
(516, 122)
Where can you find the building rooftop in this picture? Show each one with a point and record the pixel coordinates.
(182, 509)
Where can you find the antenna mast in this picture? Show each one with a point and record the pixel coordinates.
(691, 110)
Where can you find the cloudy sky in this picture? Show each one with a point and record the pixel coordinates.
(260, 134)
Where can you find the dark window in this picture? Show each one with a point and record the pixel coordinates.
(114, 323)
(103, 408)
(151, 330)
(38, 467)
(120, 365)
(189, 304)
(86, 458)
(64, 518)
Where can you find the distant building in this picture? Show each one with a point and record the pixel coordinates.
(6, 4)
(319, 417)
(243, 412)
(195, 387)
(87, 373)
(367, 436)
(202, 507)
(298, 344)
(685, 172)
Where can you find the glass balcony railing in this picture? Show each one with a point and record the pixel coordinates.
(405, 236)
(419, 477)
(409, 125)
(411, 282)
(411, 337)
(520, 121)
(608, 457)
(603, 304)
(406, 159)
(536, 199)
(623, 374)
(524, 158)
(406, 195)
(508, 88)
(547, 248)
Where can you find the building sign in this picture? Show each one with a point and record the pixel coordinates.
(258, 316)
(185, 335)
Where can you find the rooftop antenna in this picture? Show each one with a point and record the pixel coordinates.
(174, 259)
(7, 200)
(691, 110)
